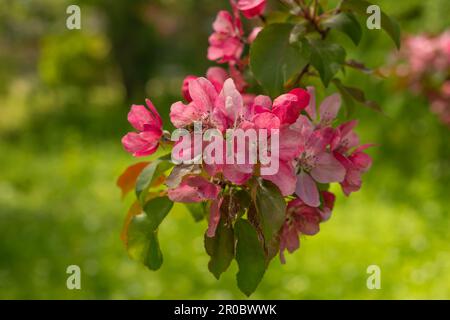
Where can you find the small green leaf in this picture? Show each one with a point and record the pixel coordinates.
(197, 210)
(274, 60)
(327, 58)
(347, 24)
(149, 175)
(221, 249)
(388, 24)
(142, 234)
(352, 95)
(249, 256)
(270, 209)
(156, 210)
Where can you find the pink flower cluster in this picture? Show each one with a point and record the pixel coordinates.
(428, 70)
(313, 150)
(227, 42)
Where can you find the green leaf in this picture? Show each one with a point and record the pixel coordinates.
(249, 256)
(270, 209)
(274, 60)
(347, 24)
(351, 96)
(142, 234)
(149, 175)
(156, 210)
(221, 249)
(277, 17)
(197, 210)
(327, 58)
(388, 24)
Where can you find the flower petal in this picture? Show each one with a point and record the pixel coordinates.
(214, 217)
(329, 108)
(307, 190)
(328, 169)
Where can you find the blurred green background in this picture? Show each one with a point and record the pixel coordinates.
(64, 96)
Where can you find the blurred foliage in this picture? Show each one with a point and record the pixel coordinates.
(64, 98)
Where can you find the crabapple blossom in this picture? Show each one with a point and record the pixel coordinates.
(251, 8)
(302, 219)
(149, 124)
(225, 44)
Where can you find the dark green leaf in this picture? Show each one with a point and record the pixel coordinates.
(142, 235)
(327, 58)
(149, 175)
(270, 209)
(347, 24)
(274, 60)
(388, 24)
(221, 249)
(249, 256)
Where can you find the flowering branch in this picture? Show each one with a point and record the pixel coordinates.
(257, 164)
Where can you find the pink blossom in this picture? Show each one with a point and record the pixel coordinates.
(316, 162)
(356, 163)
(194, 189)
(302, 219)
(225, 43)
(149, 124)
(251, 8)
(348, 151)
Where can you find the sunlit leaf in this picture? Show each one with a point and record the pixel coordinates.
(142, 235)
(150, 175)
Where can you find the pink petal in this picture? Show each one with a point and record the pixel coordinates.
(328, 169)
(141, 144)
(307, 190)
(287, 108)
(303, 97)
(254, 34)
(285, 179)
(329, 108)
(251, 8)
(185, 88)
(290, 146)
(214, 217)
(138, 116)
(217, 76)
(230, 101)
(154, 113)
(266, 120)
(311, 108)
(194, 189)
(203, 94)
(182, 115)
(233, 174)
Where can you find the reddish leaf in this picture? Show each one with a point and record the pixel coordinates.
(128, 178)
(134, 210)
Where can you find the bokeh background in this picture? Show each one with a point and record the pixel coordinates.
(64, 96)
